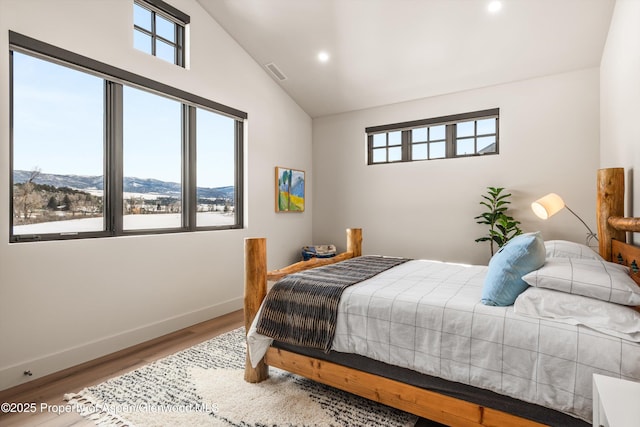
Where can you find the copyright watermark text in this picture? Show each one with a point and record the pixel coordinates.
(117, 409)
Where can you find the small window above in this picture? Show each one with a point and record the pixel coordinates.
(159, 30)
(476, 137)
(459, 135)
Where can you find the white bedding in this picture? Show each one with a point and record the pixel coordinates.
(427, 316)
(611, 319)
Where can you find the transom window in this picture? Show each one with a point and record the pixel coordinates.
(461, 135)
(476, 137)
(387, 147)
(159, 30)
(98, 152)
(428, 142)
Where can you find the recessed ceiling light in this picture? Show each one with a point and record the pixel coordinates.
(323, 56)
(494, 6)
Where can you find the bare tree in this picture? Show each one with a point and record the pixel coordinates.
(26, 200)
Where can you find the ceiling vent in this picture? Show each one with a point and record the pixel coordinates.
(277, 73)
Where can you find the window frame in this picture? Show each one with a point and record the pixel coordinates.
(170, 13)
(114, 81)
(450, 140)
(428, 142)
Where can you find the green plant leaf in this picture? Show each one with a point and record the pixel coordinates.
(502, 227)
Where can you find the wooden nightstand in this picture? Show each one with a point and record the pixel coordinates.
(616, 402)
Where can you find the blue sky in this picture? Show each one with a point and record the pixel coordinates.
(58, 127)
(164, 28)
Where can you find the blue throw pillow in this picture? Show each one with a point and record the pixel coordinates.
(521, 255)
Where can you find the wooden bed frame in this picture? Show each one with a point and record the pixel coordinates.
(612, 229)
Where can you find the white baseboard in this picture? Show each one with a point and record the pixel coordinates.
(14, 375)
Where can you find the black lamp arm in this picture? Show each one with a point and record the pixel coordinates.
(591, 233)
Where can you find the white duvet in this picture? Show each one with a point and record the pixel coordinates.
(427, 316)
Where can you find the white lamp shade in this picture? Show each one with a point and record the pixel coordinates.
(547, 206)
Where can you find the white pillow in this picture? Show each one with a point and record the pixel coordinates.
(567, 249)
(587, 277)
(611, 319)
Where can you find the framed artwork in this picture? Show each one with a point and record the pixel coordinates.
(289, 190)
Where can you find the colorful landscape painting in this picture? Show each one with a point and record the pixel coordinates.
(289, 190)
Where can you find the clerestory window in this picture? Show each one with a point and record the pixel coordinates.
(460, 135)
(159, 30)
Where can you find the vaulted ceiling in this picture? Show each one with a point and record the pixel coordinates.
(388, 51)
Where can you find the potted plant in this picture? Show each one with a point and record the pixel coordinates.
(502, 227)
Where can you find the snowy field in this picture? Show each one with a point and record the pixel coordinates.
(131, 222)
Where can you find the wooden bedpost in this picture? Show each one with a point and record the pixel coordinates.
(610, 207)
(255, 289)
(354, 241)
(255, 283)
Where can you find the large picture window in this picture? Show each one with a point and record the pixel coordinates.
(151, 154)
(460, 135)
(97, 151)
(57, 132)
(214, 166)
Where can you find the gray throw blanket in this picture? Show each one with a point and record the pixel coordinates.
(301, 308)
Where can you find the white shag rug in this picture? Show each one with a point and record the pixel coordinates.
(204, 386)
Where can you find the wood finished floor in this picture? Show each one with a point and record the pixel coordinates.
(51, 389)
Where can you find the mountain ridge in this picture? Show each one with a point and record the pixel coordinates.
(130, 184)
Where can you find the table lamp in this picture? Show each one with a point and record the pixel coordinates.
(550, 205)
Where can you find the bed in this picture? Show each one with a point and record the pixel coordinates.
(511, 365)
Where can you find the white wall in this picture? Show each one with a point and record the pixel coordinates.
(620, 99)
(548, 142)
(62, 303)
